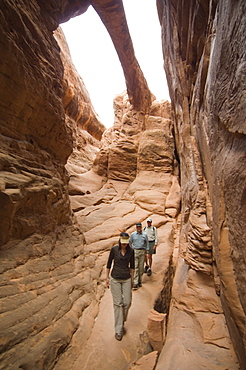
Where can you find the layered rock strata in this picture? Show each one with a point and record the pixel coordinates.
(80, 116)
(35, 140)
(51, 266)
(45, 113)
(203, 48)
(125, 186)
(49, 279)
(135, 147)
(131, 191)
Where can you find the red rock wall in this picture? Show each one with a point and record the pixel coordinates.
(37, 134)
(204, 54)
(48, 278)
(136, 142)
(46, 116)
(80, 117)
(35, 141)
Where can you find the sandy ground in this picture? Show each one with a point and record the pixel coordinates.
(102, 351)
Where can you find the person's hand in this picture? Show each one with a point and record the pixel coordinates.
(107, 283)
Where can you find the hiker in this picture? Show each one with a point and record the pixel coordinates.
(121, 281)
(151, 232)
(139, 242)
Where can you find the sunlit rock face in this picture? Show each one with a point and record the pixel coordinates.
(134, 176)
(80, 117)
(204, 54)
(139, 152)
(146, 139)
(80, 114)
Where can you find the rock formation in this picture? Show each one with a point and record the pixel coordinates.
(203, 48)
(45, 113)
(113, 16)
(68, 187)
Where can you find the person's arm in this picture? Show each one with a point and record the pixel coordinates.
(147, 243)
(132, 276)
(132, 267)
(107, 277)
(108, 267)
(156, 237)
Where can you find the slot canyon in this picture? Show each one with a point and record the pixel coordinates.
(69, 187)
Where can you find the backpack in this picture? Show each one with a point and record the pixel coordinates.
(153, 228)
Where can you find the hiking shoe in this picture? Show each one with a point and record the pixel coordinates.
(149, 272)
(118, 336)
(139, 285)
(146, 269)
(135, 286)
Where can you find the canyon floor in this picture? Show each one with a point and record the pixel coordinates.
(102, 350)
(197, 336)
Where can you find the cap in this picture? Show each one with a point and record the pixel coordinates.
(149, 219)
(138, 224)
(124, 240)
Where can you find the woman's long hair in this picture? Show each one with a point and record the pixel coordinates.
(123, 235)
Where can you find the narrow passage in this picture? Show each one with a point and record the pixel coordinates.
(102, 351)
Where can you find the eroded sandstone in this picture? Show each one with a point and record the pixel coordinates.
(203, 48)
(67, 189)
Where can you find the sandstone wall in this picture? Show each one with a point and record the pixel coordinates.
(46, 115)
(51, 267)
(134, 176)
(37, 133)
(204, 54)
(50, 281)
(80, 117)
(35, 140)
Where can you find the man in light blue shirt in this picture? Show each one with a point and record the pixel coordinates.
(139, 242)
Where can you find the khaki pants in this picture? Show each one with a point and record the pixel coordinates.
(139, 265)
(122, 298)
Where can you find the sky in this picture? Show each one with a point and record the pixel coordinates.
(97, 62)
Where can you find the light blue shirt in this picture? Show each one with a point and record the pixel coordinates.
(139, 241)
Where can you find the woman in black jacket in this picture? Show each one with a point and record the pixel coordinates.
(121, 281)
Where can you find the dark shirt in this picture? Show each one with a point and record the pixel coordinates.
(122, 264)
